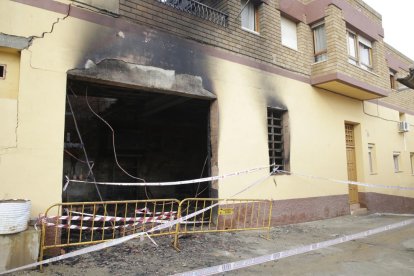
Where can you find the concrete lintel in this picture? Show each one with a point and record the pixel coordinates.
(15, 42)
(123, 74)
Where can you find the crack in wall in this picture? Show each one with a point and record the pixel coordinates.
(32, 38)
(5, 150)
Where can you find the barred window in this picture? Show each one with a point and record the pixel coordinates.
(276, 139)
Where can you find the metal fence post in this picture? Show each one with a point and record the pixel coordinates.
(177, 228)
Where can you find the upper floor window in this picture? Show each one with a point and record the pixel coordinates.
(289, 36)
(392, 79)
(319, 42)
(359, 51)
(249, 16)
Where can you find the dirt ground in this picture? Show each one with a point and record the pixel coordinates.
(387, 253)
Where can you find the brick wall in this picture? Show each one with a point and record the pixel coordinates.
(336, 42)
(266, 46)
(337, 47)
(405, 97)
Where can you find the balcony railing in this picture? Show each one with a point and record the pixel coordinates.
(198, 9)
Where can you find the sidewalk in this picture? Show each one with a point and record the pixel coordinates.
(386, 253)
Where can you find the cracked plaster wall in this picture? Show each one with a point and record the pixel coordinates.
(61, 42)
(9, 87)
(34, 169)
(31, 162)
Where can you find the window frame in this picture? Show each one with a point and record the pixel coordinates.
(358, 43)
(397, 161)
(393, 80)
(322, 53)
(362, 63)
(286, 44)
(354, 58)
(256, 17)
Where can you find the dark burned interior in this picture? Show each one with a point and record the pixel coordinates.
(158, 137)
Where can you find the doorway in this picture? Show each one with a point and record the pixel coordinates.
(351, 163)
(158, 137)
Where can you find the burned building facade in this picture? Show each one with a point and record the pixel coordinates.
(154, 90)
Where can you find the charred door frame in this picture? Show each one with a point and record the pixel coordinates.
(182, 85)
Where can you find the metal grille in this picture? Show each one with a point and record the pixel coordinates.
(275, 136)
(349, 135)
(198, 9)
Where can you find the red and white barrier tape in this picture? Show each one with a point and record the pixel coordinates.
(163, 215)
(161, 221)
(172, 183)
(148, 212)
(121, 240)
(229, 266)
(87, 228)
(78, 227)
(144, 210)
(110, 243)
(291, 252)
(348, 181)
(161, 218)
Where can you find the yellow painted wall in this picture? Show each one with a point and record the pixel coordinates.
(385, 146)
(9, 87)
(32, 167)
(317, 119)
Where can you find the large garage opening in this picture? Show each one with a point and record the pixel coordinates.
(158, 137)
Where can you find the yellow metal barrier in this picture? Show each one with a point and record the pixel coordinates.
(85, 223)
(229, 215)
